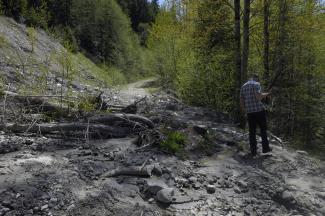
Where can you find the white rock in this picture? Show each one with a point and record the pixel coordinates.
(165, 195)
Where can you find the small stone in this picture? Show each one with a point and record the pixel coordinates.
(53, 200)
(151, 200)
(302, 152)
(237, 190)
(6, 203)
(196, 186)
(70, 207)
(29, 142)
(242, 184)
(44, 207)
(5, 210)
(157, 169)
(165, 195)
(18, 195)
(211, 189)
(192, 179)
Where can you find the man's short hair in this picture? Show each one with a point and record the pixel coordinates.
(255, 77)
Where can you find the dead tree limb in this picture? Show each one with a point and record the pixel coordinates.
(130, 171)
(124, 118)
(132, 108)
(104, 130)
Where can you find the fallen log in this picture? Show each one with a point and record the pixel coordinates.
(37, 101)
(130, 171)
(132, 108)
(126, 118)
(104, 131)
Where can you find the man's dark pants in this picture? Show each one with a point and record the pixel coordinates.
(254, 119)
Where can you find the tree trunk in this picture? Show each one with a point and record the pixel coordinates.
(266, 41)
(246, 18)
(238, 77)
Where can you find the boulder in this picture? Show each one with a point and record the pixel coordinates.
(201, 129)
(211, 189)
(155, 185)
(165, 196)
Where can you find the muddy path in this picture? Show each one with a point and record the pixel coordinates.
(214, 175)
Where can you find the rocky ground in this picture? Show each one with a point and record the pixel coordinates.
(213, 175)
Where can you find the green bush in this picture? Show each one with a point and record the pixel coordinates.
(174, 142)
(3, 41)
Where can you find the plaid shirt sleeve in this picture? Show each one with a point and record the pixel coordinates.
(258, 88)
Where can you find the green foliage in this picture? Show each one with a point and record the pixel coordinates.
(3, 41)
(32, 36)
(14, 8)
(2, 86)
(174, 142)
(117, 77)
(1, 8)
(104, 31)
(86, 103)
(193, 52)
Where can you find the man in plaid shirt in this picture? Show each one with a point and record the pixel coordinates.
(250, 102)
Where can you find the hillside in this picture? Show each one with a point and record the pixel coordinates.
(158, 156)
(33, 62)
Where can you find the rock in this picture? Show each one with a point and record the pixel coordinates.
(177, 124)
(242, 184)
(6, 203)
(302, 152)
(196, 186)
(286, 195)
(165, 195)
(153, 186)
(53, 200)
(192, 179)
(181, 181)
(5, 210)
(44, 207)
(237, 190)
(211, 189)
(201, 129)
(29, 142)
(172, 107)
(70, 207)
(157, 169)
(151, 200)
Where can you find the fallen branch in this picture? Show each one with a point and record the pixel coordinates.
(103, 130)
(130, 171)
(132, 108)
(37, 101)
(125, 118)
(276, 138)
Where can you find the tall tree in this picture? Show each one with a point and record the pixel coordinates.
(238, 77)
(266, 15)
(246, 19)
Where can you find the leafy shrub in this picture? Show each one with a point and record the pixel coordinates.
(174, 142)
(3, 41)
